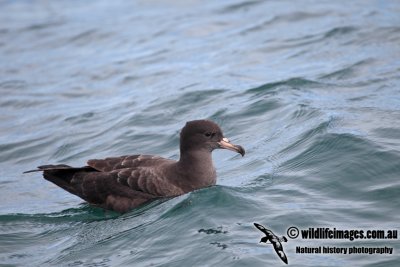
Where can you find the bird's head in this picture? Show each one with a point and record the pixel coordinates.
(205, 135)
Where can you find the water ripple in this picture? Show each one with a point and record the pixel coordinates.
(310, 93)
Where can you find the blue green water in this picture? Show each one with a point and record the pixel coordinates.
(311, 90)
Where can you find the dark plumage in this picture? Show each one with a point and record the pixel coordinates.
(274, 240)
(123, 183)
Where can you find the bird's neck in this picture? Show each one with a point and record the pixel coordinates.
(196, 159)
(198, 166)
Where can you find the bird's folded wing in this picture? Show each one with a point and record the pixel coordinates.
(115, 163)
(147, 180)
(104, 190)
(144, 173)
(96, 187)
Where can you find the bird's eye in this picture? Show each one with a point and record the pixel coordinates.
(208, 134)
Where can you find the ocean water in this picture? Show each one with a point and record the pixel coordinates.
(311, 90)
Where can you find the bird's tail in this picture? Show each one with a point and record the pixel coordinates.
(62, 175)
(50, 167)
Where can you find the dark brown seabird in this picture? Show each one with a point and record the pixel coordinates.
(123, 183)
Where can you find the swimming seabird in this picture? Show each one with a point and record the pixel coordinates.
(123, 183)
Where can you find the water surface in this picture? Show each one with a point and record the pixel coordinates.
(311, 89)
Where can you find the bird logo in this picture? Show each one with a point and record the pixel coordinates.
(274, 240)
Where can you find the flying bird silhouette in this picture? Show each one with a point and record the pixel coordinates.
(274, 240)
(123, 183)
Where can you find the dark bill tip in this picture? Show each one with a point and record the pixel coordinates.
(225, 144)
(240, 150)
